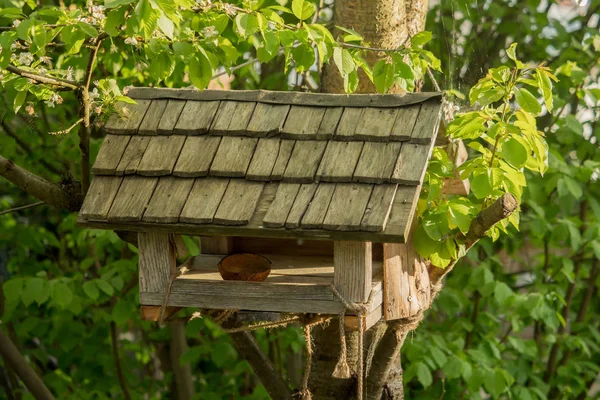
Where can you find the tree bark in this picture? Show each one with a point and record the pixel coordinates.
(182, 373)
(384, 24)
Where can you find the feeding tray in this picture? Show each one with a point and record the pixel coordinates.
(244, 267)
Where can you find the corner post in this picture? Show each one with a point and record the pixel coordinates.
(352, 270)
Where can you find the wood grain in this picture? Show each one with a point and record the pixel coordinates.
(303, 122)
(239, 202)
(156, 261)
(263, 159)
(283, 157)
(405, 121)
(329, 123)
(411, 164)
(426, 126)
(149, 125)
(110, 154)
(133, 155)
(378, 209)
(350, 119)
(317, 209)
(168, 199)
(160, 155)
(232, 118)
(131, 199)
(196, 117)
(353, 270)
(233, 157)
(304, 161)
(375, 124)
(339, 161)
(347, 206)
(203, 200)
(267, 119)
(403, 209)
(196, 156)
(395, 277)
(377, 162)
(282, 204)
(101, 194)
(301, 202)
(129, 121)
(170, 117)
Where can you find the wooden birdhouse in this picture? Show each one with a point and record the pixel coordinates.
(325, 186)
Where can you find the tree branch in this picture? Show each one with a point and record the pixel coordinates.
(488, 217)
(115, 349)
(43, 79)
(11, 210)
(13, 357)
(65, 195)
(261, 365)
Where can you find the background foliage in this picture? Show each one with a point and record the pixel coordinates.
(519, 318)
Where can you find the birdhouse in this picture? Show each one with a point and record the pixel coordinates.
(324, 186)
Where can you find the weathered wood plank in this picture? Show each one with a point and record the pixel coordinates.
(329, 122)
(339, 161)
(352, 272)
(301, 202)
(170, 117)
(196, 156)
(264, 159)
(203, 200)
(294, 98)
(283, 157)
(232, 118)
(377, 162)
(348, 122)
(101, 194)
(196, 117)
(281, 206)
(351, 322)
(239, 202)
(411, 164)
(303, 122)
(317, 209)
(110, 154)
(149, 125)
(129, 121)
(221, 245)
(304, 161)
(156, 261)
(131, 199)
(133, 155)
(405, 121)
(427, 123)
(378, 209)
(347, 206)
(403, 209)
(233, 156)
(264, 202)
(160, 155)
(375, 124)
(267, 119)
(395, 277)
(168, 199)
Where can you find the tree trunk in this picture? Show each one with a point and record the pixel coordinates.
(384, 24)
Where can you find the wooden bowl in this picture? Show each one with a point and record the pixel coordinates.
(245, 267)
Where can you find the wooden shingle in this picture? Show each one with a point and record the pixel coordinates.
(303, 123)
(409, 169)
(168, 199)
(196, 117)
(347, 206)
(376, 124)
(127, 121)
(233, 157)
(267, 119)
(170, 116)
(132, 198)
(110, 154)
(263, 159)
(149, 125)
(304, 161)
(204, 199)
(160, 155)
(339, 161)
(377, 162)
(317, 209)
(282, 204)
(232, 118)
(239, 202)
(133, 155)
(196, 156)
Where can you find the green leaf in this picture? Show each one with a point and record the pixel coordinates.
(424, 375)
(438, 356)
(421, 38)
(351, 82)
(246, 24)
(503, 293)
(304, 57)
(511, 53)
(104, 286)
(569, 186)
(200, 70)
(144, 20)
(467, 126)
(114, 20)
(166, 25)
(343, 60)
(481, 185)
(527, 101)
(453, 368)
(495, 383)
(62, 294)
(545, 85)
(424, 244)
(303, 9)
(91, 290)
(39, 289)
(459, 216)
(514, 153)
(88, 29)
(19, 100)
(383, 76)
(116, 3)
(121, 312)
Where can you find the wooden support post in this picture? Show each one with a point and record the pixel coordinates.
(157, 260)
(395, 281)
(216, 245)
(352, 270)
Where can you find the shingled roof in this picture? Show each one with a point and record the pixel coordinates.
(259, 163)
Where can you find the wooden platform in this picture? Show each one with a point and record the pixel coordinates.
(296, 284)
